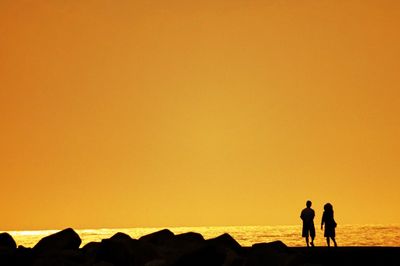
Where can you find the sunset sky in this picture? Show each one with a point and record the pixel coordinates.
(193, 113)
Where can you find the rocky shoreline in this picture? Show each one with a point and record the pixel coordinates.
(164, 248)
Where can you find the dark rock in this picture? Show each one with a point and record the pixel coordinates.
(63, 240)
(186, 241)
(90, 251)
(226, 241)
(64, 257)
(90, 247)
(24, 256)
(194, 250)
(121, 237)
(189, 237)
(233, 250)
(206, 254)
(7, 241)
(144, 252)
(156, 262)
(180, 245)
(275, 254)
(275, 245)
(115, 251)
(158, 238)
(8, 256)
(102, 263)
(123, 250)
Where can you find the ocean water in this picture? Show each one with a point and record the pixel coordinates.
(346, 235)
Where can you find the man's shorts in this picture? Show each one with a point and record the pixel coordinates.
(308, 230)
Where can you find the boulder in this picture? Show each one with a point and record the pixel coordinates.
(121, 237)
(115, 251)
(278, 246)
(8, 256)
(226, 241)
(206, 254)
(274, 253)
(121, 249)
(65, 257)
(102, 263)
(24, 256)
(7, 241)
(90, 251)
(181, 244)
(156, 262)
(186, 241)
(192, 249)
(90, 247)
(189, 237)
(159, 238)
(66, 239)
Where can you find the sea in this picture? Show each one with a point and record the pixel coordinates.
(346, 235)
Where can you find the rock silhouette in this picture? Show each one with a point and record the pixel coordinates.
(164, 248)
(66, 239)
(7, 242)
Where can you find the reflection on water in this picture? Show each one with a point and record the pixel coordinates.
(346, 235)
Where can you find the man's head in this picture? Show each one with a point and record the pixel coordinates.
(309, 203)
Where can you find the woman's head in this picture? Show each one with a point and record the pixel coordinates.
(328, 207)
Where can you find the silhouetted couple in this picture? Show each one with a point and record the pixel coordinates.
(308, 214)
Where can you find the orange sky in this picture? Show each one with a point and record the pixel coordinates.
(191, 113)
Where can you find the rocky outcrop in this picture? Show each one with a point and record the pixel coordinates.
(7, 242)
(164, 248)
(159, 238)
(66, 239)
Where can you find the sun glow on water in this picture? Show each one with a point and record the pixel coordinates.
(347, 235)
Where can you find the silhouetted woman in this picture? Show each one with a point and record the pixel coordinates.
(330, 224)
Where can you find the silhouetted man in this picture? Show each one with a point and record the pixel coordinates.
(307, 215)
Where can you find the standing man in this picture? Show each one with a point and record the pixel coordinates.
(307, 215)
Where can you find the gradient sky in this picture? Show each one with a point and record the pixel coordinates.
(191, 113)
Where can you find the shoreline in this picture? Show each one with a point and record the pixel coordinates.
(164, 248)
(348, 235)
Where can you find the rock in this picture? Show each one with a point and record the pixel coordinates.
(158, 238)
(206, 254)
(65, 257)
(121, 237)
(102, 263)
(122, 250)
(90, 247)
(63, 240)
(192, 249)
(181, 244)
(8, 256)
(114, 251)
(186, 241)
(274, 254)
(7, 241)
(156, 262)
(90, 251)
(189, 237)
(275, 245)
(226, 241)
(25, 256)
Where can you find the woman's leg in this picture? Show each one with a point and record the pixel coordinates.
(334, 241)
(328, 241)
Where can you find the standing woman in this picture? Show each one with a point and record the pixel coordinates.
(330, 224)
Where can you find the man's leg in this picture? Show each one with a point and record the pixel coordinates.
(312, 234)
(307, 241)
